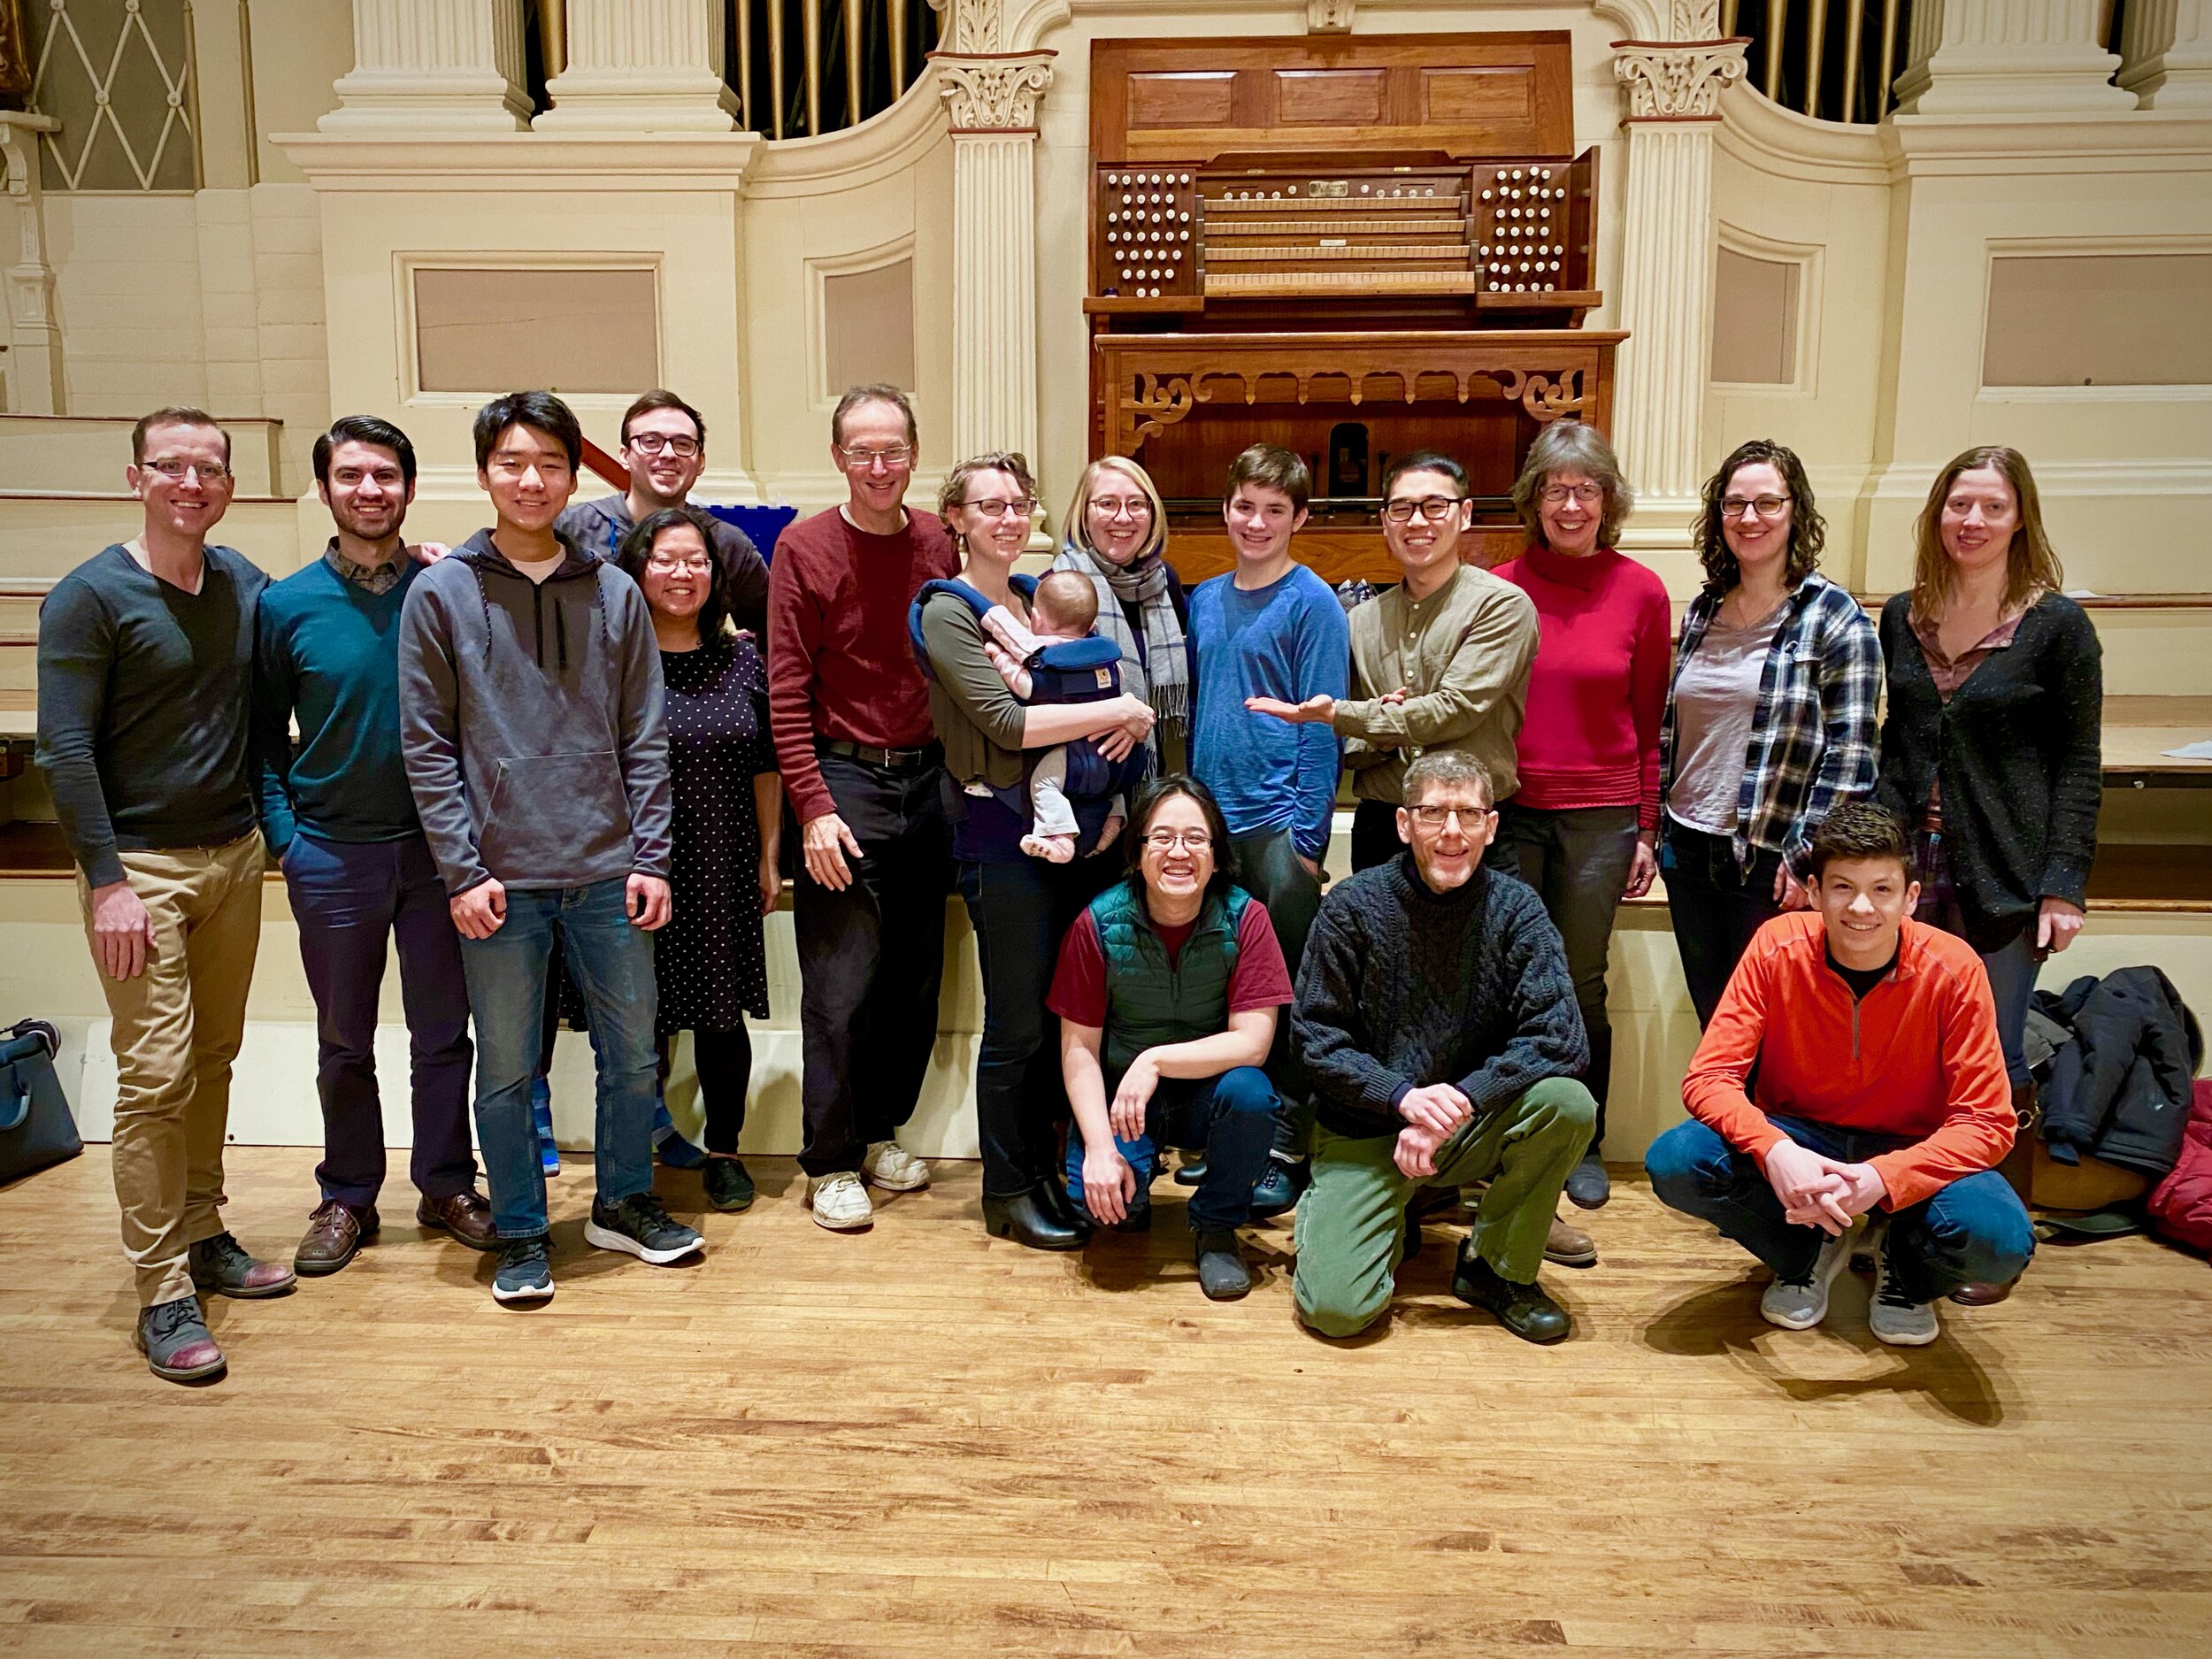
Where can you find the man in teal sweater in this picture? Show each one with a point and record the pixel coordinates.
(339, 814)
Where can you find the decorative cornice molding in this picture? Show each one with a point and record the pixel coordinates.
(1677, 81)
(994, 92)
(1760, 133)
(1330, 17)
(524, 161)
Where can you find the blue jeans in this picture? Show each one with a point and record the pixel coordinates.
(1231, 1117)
(350, 899)
(612, 962)
(1974, 1232)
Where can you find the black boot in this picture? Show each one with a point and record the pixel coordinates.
(1027, 1219)
(1524, 1309)
(1053, 1196)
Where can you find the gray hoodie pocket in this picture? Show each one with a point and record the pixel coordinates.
(562, 818)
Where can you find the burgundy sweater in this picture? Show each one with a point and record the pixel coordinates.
(840, 662)
(1591, 737)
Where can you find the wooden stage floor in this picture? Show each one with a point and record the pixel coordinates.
(922, 1441)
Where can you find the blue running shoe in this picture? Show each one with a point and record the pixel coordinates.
(541, 1114)
(670, 1147)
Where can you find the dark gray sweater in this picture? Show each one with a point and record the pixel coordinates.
(1401, 986)
(143, 694)
(534, 722)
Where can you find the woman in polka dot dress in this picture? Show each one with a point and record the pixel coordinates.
(709, 961)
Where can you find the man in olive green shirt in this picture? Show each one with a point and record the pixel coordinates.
(1439, 663)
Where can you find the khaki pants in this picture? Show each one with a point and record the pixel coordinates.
(177, 1028)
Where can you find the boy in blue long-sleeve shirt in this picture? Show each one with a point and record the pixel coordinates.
(1271, 628)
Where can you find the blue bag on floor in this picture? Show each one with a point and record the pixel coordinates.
(36, 1126)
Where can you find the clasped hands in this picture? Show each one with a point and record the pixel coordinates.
(1820, 1192)
(1433, 1113)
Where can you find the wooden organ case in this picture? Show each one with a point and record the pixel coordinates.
(1352, 247)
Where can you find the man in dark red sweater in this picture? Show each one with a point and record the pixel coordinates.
(1879, 1084)
(862, 764)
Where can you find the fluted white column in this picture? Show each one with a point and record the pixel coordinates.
(643, 65)
(2008, 57)
(2166, 54)
(35, 381)
(1667, 271)
(428, 66)
(993, 100)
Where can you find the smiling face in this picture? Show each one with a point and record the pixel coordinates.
(1759, 542)
(992, 518)
(1422, 544)
(1177, 851)
(678, 573)
(873, 450)
(183, 478)
(648, 449)
(367, 492)
(528, 478)
(1864, 903)
(1981, 514)
(1261, 519)
(1448, 829)
(1570, 507)
(1117, 518)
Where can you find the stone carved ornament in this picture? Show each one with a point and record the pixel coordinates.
(1676, 82)
(989, 94)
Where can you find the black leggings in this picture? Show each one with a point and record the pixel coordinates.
(724, 1061)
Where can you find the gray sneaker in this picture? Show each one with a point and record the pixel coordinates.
(1222, 1273)
(1895, 1318)
(1801, 1304)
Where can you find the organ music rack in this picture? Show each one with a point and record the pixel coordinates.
(1352, 247)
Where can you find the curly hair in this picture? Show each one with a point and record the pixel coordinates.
(1568, 446)
(1011, 462)
(1808, 531)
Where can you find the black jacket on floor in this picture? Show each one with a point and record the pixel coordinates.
(2121, 1088)
(2018, 748)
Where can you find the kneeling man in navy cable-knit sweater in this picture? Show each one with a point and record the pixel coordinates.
(1437, 1019)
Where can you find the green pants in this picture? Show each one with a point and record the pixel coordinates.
(1351, 1222)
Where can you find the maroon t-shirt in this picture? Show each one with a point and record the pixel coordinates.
(841, 664)
(1261, 978)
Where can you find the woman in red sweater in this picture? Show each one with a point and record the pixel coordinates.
(1583, 823)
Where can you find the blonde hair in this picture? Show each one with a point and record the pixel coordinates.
(1086, 486)
(1569, 446)
(2031, 564)
(1011, 462)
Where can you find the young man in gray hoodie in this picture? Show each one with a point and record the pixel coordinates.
(537, 748)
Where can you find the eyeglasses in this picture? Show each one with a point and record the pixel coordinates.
(1166, 840)
(1765, 506)
(653, 442)
(209, 471)
(663, 566)
(1134, 507)
(1586, 494)
(892, 455)
(1018, 506)
(1435, 508)
(1437, 817)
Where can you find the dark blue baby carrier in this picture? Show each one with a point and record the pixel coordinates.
(1087, 670)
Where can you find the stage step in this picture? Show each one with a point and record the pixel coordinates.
(85, 453)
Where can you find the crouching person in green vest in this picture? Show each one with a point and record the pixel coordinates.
(1167, 990)
(1437, 1019)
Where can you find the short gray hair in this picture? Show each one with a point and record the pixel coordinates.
(1448, 767)
(1569, 446)
(880, 392)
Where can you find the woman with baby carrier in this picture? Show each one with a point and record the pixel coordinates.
(1020, 901)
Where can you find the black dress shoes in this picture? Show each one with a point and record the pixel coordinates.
(1524, 1309)
(1029, 1218)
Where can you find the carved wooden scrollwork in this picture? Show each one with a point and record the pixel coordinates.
(1545, 397)
(1156, 405)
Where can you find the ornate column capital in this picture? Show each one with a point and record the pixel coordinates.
(1677, 81)
(992, 92)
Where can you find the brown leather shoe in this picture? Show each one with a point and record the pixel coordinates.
(336, 1233)
(463, 1214)
(1981, 1296)
(1569, 1246)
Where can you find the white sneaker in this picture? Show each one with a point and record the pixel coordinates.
(1895, 1317)
(841, 1203)
(1800, 1305)
(892, 1167)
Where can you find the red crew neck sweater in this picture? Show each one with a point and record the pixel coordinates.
(1591, 735)
(840, 662)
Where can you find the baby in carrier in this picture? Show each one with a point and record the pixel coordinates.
(1054, 658)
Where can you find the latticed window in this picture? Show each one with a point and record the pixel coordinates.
(118, 75)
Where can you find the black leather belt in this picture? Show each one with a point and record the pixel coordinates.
(888, 759)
